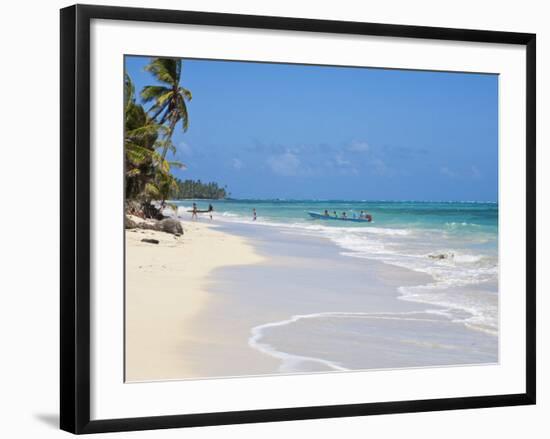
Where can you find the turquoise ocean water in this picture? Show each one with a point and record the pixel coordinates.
(455, 243)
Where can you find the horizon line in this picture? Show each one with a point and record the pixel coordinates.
(343, 200)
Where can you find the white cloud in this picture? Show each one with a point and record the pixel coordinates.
(357, 146)
(287, 164)
(343, 166)
(341, 161)
(237, 164)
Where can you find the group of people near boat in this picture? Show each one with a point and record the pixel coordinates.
(362, 215)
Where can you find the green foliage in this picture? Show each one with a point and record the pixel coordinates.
(197, 189)
(148, 174)
(168, 100)
(140, 137)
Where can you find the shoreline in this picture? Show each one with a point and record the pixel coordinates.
(263, 308)
(166, 288)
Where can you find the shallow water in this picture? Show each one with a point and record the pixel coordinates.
(355, 341)
(315, 309)
(455, 243)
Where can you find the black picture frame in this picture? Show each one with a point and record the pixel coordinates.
(75, 217)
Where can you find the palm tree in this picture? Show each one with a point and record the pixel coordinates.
(169, 100)
(140, 136)
(147, 173)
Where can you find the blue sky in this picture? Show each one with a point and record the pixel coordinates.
(312, 132)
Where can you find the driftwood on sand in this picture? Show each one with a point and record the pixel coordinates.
(150, 240)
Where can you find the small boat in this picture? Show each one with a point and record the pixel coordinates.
(320, 216)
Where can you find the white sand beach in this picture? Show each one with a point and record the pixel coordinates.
(166, 288)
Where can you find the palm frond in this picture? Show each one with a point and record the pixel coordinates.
(178, 165)
(151, 92)
(151, 190)
(129, 90)
(182, 112)
(166, 144)
(163, 166)
(164, 99)
(185, 93)
(165, 70)
(137, 154)
(145, 130)
(133, 172)
(172, 148)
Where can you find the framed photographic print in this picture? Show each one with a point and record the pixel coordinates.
(268, 218)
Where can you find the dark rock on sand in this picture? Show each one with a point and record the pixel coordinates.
(147, 226)
(144, 210)
(170, 225)
(167, 225)
(150, 241)
(129, 223)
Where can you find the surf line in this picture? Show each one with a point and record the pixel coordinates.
(288, 360)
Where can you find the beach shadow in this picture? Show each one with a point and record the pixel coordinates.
(50, 419)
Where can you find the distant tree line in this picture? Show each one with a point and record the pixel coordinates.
(198, 189)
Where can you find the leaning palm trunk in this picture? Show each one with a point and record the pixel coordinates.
(168, 138)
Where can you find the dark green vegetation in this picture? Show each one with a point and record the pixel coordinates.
(148, 138)
(197, 189)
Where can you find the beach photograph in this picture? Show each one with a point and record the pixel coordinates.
(296, 219)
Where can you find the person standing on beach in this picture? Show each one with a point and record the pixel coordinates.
(194, 215)
(210, 210)
(254, 214)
